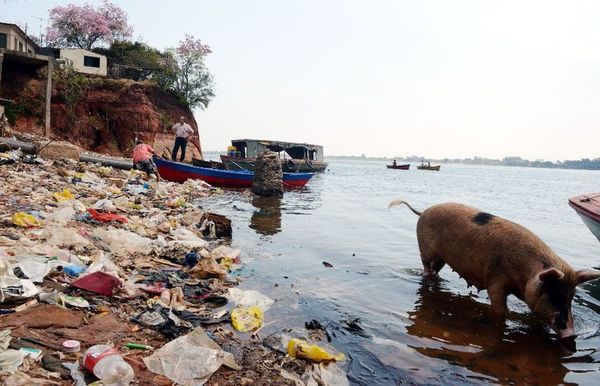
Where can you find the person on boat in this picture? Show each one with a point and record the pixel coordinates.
(182, 132)
(394, 163)
(142, 159)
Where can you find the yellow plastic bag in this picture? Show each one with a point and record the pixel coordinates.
(226, 262)
(246, 319)
(25, 220)
(302, 349)
(63, 196)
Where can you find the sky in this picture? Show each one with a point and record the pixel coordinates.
(434, 78)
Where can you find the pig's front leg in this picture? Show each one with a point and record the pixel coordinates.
(498, 294)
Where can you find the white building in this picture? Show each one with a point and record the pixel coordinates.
(85, 61)
(13, 38)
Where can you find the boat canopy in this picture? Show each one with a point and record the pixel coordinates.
(250, 148)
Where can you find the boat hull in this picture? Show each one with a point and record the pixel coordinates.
(399, 167)
(180, 172)
(587, 207)
(425, 167)
(287, 165)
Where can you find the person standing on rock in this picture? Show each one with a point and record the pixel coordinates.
(182, 131)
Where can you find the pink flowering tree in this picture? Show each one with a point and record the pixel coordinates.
(192, 80)
(83, 26)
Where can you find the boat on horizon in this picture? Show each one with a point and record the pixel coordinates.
(587, 207)
(399, 167)
(429, 167)
(180, 172)
(295, 157)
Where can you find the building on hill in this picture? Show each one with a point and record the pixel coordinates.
(84, 61)
(13, 38)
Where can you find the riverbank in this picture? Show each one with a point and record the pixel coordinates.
(102, 256)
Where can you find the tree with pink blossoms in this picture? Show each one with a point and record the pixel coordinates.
(83, 26)
(192, 80)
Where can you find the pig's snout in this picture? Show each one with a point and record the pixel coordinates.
(567, 333)
(563, 326)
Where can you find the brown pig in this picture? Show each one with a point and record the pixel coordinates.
(501, 256)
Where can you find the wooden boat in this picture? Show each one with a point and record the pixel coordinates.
(429, 167)
(208, 164)
(295, 157)
(401, 167)
(180, 172)
(587, 207)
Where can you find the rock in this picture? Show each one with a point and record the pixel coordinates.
(222, 225)
(268, 177)
(57, 150)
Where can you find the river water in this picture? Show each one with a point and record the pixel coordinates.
(410, 330)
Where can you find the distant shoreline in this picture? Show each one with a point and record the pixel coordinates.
(582, 164)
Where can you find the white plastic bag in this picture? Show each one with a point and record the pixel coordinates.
(190, 360)
(249, 298)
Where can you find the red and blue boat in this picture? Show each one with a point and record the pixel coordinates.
(180, 172)
(587, 207)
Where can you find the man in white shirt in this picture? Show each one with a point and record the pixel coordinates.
(182, 132)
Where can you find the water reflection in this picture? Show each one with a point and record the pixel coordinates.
(267, 219)
(451, 327)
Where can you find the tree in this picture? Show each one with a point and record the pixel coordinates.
(192, 79)
(83, 26)
(139, 61)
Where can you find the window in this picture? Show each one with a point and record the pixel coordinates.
(91, 61)
(3, 41)
(21, 47)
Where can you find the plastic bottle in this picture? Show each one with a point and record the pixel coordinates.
(106, 364)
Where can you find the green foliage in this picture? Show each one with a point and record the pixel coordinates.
(74, 85)
(23, 108)
(181, 71)
(138, 61)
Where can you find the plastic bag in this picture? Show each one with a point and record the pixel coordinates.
(246, 319)
(325, 375)
(190, 360)
(25, 220)
(63, 215)
(65, 238)
(207, 268)
(302, 349)
(121, 242)
(249, 298)
(188, 238)
(105, 217)
(225, 252)
(105, 205)
(63, 196)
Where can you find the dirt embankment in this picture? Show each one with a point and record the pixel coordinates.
(99, 114)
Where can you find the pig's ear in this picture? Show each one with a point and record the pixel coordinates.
(550, 274)
(587, 275)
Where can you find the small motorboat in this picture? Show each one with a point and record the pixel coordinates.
(180, 172)
(429, 167)
(587, 207)
(401, 167)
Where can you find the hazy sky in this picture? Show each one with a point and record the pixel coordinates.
(388, 77)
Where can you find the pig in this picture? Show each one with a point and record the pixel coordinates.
(503, 257)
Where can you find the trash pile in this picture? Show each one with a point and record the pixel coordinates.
(107, 276)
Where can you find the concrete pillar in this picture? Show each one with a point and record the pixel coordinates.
(1, 60)
(268, 177)
(49, 97)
